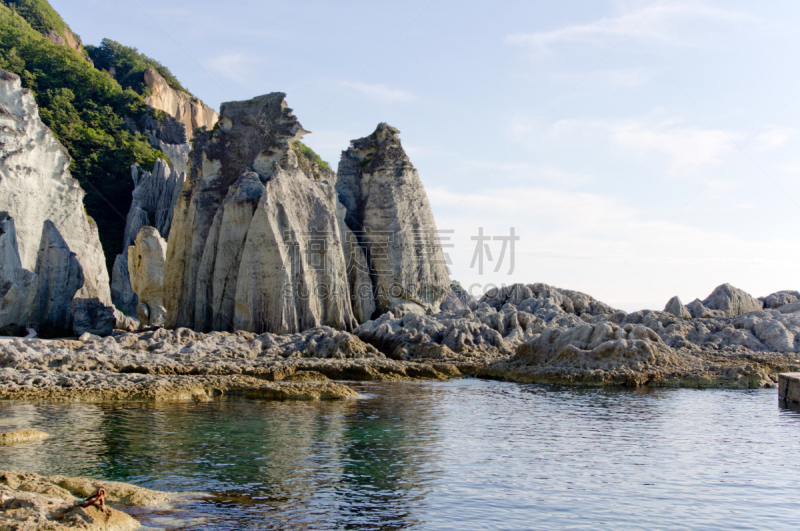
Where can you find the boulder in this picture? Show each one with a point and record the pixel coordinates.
(676, 308)
(60, 276)
(36, 186)
(255, 242)
(780, 298)
(188, 110)
(388, 213)
(697, 310)
(731, 301)
(146, 259)
(92, 316)
(457, 299)
(17, 285)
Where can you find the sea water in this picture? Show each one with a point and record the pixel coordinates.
(466, 454)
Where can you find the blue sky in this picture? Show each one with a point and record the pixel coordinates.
(640, 149)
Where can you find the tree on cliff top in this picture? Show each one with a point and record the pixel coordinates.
(129, 66)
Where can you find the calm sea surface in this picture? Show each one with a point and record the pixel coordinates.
(467, 454)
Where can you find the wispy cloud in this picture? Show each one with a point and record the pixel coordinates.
(236, 65)
(691, 148)
(663, 23)
(382, 93)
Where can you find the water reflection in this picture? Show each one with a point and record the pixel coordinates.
(460, 455)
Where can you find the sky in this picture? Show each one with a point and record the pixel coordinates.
(639, 150)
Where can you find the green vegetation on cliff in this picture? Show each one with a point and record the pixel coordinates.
(39, 14)
(86, 110)
(310, 154)
(129, 66)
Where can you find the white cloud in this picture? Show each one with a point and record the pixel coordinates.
(663, 23)
(382, 93)
(691, 148)
(771, 137)
(609, 77)
(236, 65)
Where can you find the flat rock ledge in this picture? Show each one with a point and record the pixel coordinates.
(22, 436)
(31, 502)
(180, 364)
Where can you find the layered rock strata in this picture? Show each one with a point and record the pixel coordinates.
(388, 215)
(255, 242)
(189, 111)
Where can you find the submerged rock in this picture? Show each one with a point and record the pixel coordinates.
(255, 242)
(388, 214)
(22, 436)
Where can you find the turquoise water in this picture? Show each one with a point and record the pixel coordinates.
(467, 454)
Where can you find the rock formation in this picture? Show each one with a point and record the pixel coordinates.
(93, 317)
(146, 258)
(255, 241)
(17, 285)
(188, 110)
(676, 308)
(388, 213)
(154, 198)
(60, 276)
(36, 186)
(153, 202)
(540, 333)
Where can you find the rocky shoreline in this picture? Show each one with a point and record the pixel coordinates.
(524, 333)
(31, 502)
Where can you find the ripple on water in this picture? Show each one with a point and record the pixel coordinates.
(467, 454)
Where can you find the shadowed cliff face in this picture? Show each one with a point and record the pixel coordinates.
(388, 212)
(255, 242)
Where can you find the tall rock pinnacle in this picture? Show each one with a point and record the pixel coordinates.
(255, 242)
(388, 213)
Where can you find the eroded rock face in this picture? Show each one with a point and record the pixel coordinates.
(153, 203)
(190, 111)
(60, 276)
(388, 213)
(154, 198)
(146, 259)
(255, 241)
(17, 285)
(35, 186)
